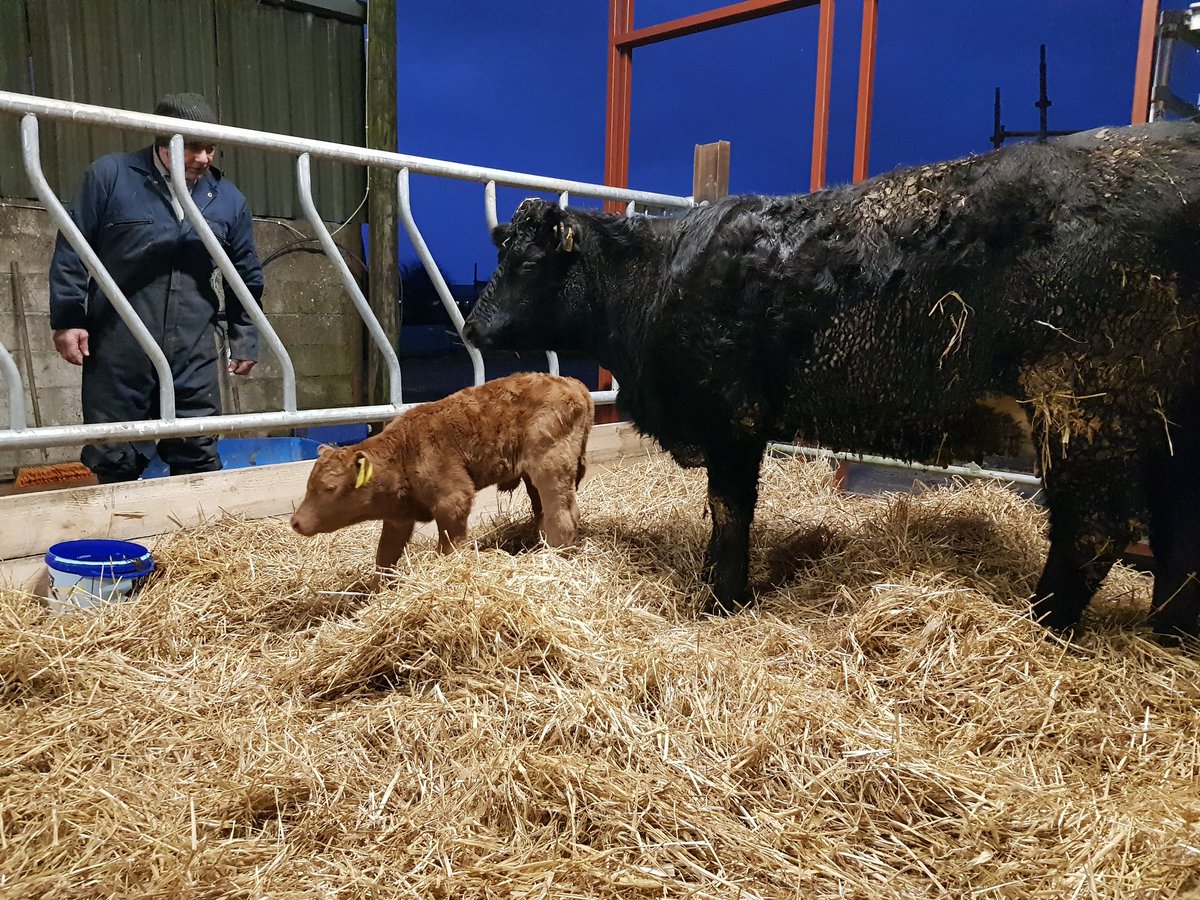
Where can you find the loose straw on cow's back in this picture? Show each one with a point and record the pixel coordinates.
(886, 722)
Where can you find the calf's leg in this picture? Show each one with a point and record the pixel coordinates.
(535, 500)
(451, 514)
(392, 541)
(555, 485)
(732, 494)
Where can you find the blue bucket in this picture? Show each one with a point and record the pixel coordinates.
(92, 572)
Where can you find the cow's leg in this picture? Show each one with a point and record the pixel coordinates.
(732, 493)
(560, 512)
(392, 541)
(535, 500)
(451, 514)
(1173, 499)
(1090, 503)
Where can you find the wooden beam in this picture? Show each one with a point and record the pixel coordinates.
(382, 203)
(710, 171)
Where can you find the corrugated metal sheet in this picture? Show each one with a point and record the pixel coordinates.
(316, 90)
(14, 76)
(262, 67)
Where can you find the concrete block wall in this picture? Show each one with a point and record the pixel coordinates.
(304, 300)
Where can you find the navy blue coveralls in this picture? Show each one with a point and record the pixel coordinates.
(124, 210)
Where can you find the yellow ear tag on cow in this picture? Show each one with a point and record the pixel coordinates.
(568, 243)
(365, 472)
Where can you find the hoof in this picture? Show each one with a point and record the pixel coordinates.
(716, 607)
(1055, 619)
(1173, 633)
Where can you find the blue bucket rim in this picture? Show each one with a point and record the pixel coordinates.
(100, 557)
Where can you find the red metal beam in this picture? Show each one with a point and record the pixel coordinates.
(1145, 62)
(620, 98)
(628, 38)
(866, 89)
(820, 148)
(616, 139)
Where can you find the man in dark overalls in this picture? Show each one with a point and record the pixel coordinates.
(128, 212)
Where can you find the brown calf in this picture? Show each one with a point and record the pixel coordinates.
(427, 464)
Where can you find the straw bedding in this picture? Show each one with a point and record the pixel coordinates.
(887, 722)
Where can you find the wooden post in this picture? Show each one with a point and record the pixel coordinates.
(382, 204)
(710, 171)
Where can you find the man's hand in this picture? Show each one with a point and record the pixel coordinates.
(240, 366)
(71, 344)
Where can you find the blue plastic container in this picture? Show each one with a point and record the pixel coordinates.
(92, 572)
(239, 453)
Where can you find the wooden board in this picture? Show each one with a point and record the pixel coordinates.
(31, 523)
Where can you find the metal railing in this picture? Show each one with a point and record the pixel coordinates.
(20, 436)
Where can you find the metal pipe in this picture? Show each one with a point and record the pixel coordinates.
(304, 187)
(489, 206)
(83, 113)
(232, 277)
(1145, 61)
(866, 89)
(971, 471)
(820, 146)
(73, 435)
(435, 275)
(16, 390)
(33, 168)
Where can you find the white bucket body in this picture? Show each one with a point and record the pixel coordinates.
(71, 591)
(93, 572)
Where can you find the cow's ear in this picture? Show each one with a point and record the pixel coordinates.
(325, 450)
(500, 235)
(566, 233)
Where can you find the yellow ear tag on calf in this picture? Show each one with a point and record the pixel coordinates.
(365, 472)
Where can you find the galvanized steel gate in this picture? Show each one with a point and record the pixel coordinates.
(19, 435)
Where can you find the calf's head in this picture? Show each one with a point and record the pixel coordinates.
(534, 300)
(341, 491)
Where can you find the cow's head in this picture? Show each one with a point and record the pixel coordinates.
(341, 491)
(535, 299)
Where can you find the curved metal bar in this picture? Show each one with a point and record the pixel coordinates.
(16, 390)
(380, 338)
(192, 213)
(563, 199)
(439, 283)
(187, 426)
(967, 471)
(489, 205)
(33, 168)
(87, 114)
(630, 208)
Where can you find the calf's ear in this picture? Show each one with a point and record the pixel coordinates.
(500, 235)
(364, 470)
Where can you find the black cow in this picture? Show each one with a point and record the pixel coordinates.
(897, 317)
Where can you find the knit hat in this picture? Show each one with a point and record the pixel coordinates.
(184, 106)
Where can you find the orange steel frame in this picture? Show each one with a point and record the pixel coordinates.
(623, 38)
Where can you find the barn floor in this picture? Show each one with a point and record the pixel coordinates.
(886, 722)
